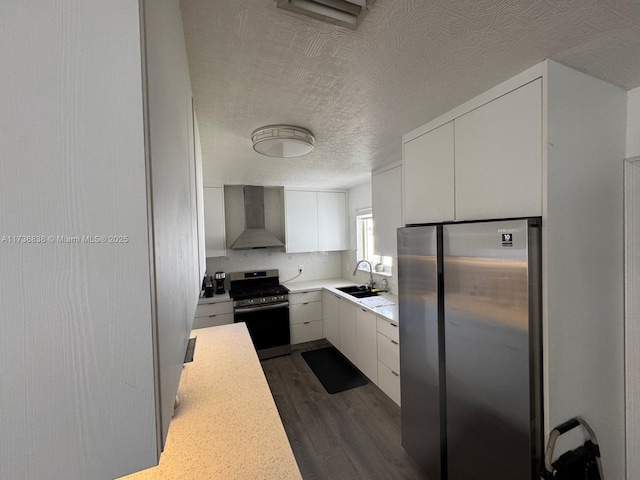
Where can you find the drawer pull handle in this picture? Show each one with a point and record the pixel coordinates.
(307, 323)
(394, 342)
(211, 316)
(396, 374)
(306, 303)
(393, 324)
(363, 309)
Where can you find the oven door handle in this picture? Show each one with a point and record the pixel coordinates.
(260, 308)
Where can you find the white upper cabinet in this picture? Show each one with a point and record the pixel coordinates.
(301, 225)
(214, 222)
(315, 221)
(386, 192)
(498, 157)
(486, 163)
(332, 221)
(429, 192)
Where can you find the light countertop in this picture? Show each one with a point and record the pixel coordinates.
(223, 297)
(227, 425)
(389, 310)
(297, 287)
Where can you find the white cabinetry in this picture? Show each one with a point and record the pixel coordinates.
(550, 142)
(487, 163)
(332, 221)
(92, 361)
(498, 157)
(214, 222)
(386, 192)
(330, 308)
(301, 224)
(347, 320)
(315, 221)
(388, 358)
(428, 187)
(305, 316)
(213, 314)
(366, 351)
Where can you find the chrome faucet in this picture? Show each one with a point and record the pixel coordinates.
(371, 282)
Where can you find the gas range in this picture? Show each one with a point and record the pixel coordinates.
(263, 305)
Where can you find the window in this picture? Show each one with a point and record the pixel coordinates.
(365, 243)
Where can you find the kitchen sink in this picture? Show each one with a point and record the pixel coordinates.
(361, 291)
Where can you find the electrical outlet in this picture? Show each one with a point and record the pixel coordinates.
(299, 268)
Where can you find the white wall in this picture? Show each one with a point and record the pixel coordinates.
(632, 280)
(633, 123)
(359, 197)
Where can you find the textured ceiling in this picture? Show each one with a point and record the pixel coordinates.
(359, 91)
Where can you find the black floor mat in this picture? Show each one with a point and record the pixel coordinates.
(334, 371)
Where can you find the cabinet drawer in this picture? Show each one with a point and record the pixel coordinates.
(213, 320)
(388, 328)
(305, 312)
(389, 352)
(304, 297)
(217, 308)
(306, 332)
(389, 382)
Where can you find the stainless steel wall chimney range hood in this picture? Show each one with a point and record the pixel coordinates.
(255, 235)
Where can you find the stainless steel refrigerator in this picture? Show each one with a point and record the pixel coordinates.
(470, 348)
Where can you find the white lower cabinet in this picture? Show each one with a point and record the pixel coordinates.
(369, 341)
(347, 321)
(305, 316)
(213, 314)
(388, 357)
(330, 306)
(366, 350)
(389, 382)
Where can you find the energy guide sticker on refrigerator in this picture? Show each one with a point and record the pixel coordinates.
(470, 348)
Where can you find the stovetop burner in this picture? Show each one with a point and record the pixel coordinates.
(242, 293)
(255, 288)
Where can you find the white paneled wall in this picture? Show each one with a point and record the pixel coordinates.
(632, 313)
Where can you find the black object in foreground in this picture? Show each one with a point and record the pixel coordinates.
(335, 372)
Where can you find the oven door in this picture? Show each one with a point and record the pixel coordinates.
(268, 326)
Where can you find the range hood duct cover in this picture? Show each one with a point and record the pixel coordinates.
(255, 234)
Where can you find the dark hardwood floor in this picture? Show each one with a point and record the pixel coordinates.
(348, 435)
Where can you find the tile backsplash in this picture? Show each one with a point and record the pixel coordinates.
(316, 265)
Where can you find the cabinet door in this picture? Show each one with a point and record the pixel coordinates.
(330, 307)
(498, 148)
(386, 193)
(389, 382)
(366, 348)
(305, 312)
(214, 221)
(301, 221)
(429, 177)
(347, 316)
(332, 221)
(306, 332)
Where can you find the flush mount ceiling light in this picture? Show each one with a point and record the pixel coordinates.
(282, 141)
(346, 13)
